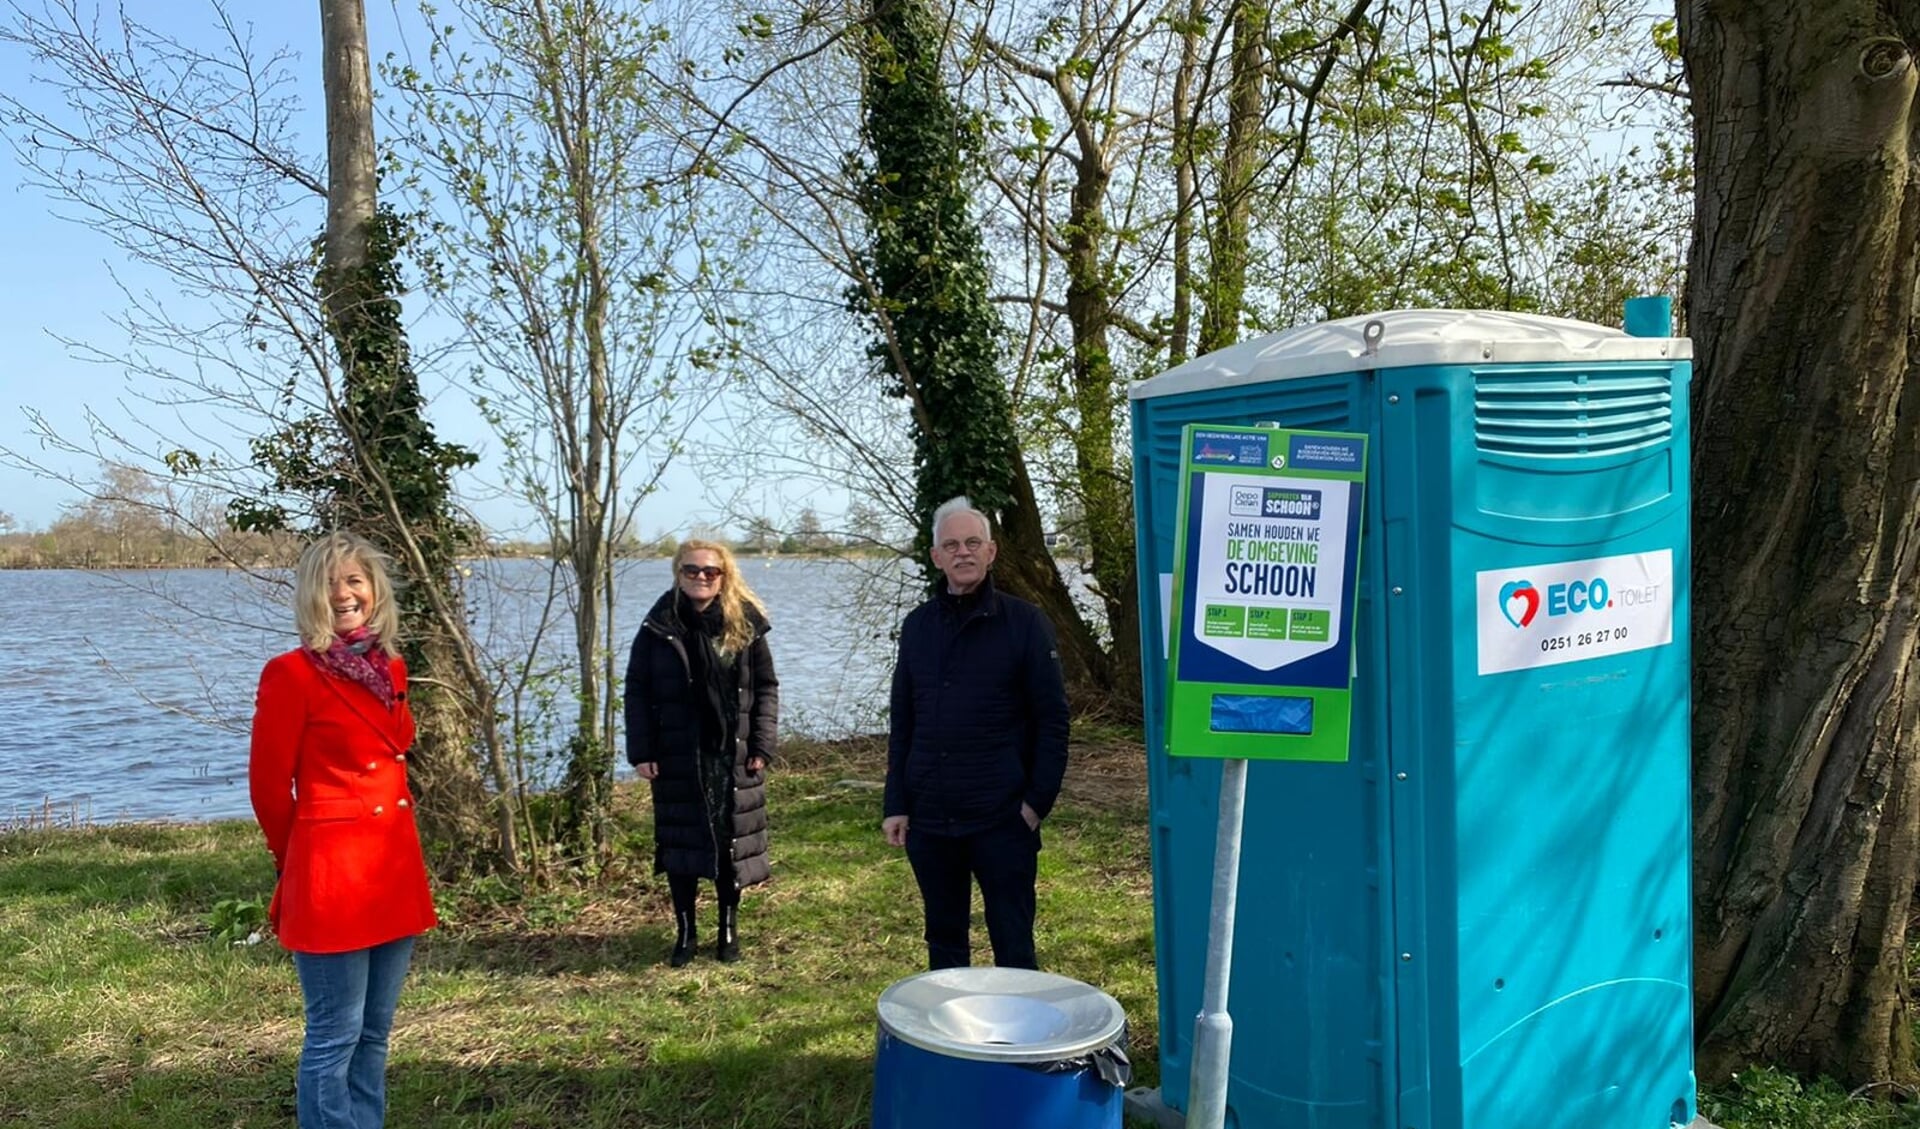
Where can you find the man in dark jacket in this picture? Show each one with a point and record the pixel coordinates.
(978, 747)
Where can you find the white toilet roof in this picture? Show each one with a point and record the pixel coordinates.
(1407, 338)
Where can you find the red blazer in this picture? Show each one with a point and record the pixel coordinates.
(328, 774)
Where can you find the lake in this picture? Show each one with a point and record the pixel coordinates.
(127, 696)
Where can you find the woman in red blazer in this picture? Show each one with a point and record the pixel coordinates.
(328, 776)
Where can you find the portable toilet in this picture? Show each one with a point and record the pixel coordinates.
(1478, 916)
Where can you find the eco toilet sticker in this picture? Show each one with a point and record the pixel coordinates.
(1264, 584)
(1572, 610)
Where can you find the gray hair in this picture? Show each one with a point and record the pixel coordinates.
(959, 504)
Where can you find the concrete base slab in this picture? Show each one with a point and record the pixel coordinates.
(1144, 1106)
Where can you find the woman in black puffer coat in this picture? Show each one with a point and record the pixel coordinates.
(703, 709)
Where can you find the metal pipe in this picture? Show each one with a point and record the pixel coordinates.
(1213, 1029)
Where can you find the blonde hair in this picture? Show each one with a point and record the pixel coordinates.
(735, 597)
(312, 598)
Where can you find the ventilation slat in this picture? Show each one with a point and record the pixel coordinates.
(1581, 421)
(1567, 412)
(1319, 409)
(1586, 403)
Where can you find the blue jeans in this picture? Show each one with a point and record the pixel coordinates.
(343, 1064)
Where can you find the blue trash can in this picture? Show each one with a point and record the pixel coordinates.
(998, 1048)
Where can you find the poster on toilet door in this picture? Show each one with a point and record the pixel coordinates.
(1266, 568)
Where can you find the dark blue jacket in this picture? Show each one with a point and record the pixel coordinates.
(979, 714)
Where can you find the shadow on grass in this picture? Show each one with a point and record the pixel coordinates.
(574, 952)
(598, 930)
(761, 1087)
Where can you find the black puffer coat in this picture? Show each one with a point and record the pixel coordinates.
(664, 714)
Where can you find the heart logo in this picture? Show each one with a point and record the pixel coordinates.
(1519, 602)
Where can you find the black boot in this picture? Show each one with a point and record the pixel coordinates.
(728, 949)
(684, 940)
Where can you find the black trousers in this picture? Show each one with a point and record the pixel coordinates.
(685, 889)
(1004, 859)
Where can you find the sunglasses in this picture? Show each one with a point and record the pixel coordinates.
(701, 572)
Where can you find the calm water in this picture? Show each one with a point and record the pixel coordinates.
(127, 695)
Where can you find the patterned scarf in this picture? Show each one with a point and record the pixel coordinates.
(348, 658)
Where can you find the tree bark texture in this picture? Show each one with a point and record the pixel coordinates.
(396, 501)
(1802, 308)
(592, 476)
(940, 333)
(1246, 110)
(461, 826)
(1027, 569)
(1186, 183)
(347, 79)
(1106, 486)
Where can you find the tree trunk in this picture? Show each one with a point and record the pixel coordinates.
(1026, 568)
(1106, 492)
(1186, 183)
(458, 824)
(590, 772)
(400, 495)
(1246, 107)
(940, 331)
(1802, 307)
(352, 184)
(569, 59)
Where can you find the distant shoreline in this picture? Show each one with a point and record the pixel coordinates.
(17, 563)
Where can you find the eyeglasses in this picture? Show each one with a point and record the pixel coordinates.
(971, 544)
(701, 572)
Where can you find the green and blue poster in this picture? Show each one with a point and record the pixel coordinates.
(1266, 570)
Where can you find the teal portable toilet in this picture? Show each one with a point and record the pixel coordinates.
(1479, 919)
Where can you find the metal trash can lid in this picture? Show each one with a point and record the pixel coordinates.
(1000, 1014)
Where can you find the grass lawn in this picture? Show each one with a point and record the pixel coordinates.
(119, 1010)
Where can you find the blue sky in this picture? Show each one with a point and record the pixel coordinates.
(59, 283)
